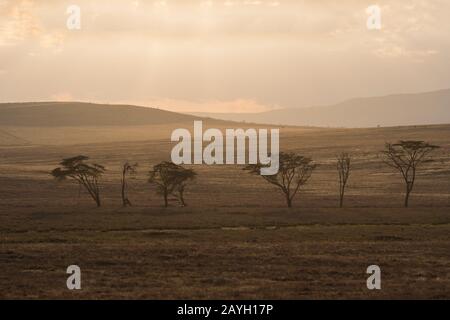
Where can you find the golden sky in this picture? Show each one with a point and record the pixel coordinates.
(221, 56)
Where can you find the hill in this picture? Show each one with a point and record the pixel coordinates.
(393, 110)
(60, 114)
(68, 123)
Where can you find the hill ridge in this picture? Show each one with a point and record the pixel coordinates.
(85, 114)
(405, 109)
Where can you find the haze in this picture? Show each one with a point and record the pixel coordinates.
(221, 56)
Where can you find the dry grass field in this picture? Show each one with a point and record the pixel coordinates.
(236, 239)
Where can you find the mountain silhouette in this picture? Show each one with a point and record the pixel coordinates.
(393, 110)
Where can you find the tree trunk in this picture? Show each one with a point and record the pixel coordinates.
(95, 195)
(341, 199)
(127, 203)
(409, 187)
(166, 201)
(98, 201)
(183, 203)
(124, 203)
(288, 201)
(408, 192)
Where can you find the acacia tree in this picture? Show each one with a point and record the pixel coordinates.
(127, 169)
(343, 168)
(87, 175)
(294, 172)
(181, 181)
(171, 179)
(407, 157)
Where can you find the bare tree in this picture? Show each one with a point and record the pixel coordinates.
(406, 157)
(343, 168)
(171, 179)
(127, 169)
(85, 174)
(294, 172)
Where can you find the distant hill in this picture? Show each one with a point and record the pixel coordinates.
(393, 110)
(53, 114)
(69, 123)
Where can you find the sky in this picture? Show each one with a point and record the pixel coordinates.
(221, 56)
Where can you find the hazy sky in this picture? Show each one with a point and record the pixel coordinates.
(220, 56)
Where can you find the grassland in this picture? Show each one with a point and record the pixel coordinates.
(236, 239)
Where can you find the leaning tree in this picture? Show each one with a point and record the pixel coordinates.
(407, 157)
(127, 170)
(171, 179)
(294, 172)
(344, 161)
(87, 175)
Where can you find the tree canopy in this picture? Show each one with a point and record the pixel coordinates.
(294, 171)
(171, 179)
(87, 175)
(406, 156)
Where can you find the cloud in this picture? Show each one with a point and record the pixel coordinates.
(394, 51)
(52, 40)
(198, 55)
(62, 97)
(19, 23)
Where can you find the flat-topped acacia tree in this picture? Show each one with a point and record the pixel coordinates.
(171, 179)
(407, 157)
(294, 172)
(87, 175)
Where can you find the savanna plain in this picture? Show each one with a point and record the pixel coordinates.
(235, 239)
